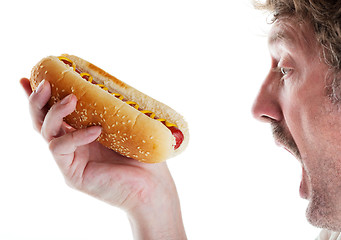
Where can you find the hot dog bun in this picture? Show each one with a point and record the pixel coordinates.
(125, 129)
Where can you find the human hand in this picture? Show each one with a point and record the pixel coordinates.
(145, 191)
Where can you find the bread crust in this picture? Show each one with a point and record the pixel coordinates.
(124, 129)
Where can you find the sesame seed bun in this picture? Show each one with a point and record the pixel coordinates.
(125, 129)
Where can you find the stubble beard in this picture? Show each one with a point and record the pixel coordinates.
(321, 211)
(324, 209)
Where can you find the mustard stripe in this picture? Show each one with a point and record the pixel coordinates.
(136, 106)
(152, 115)
(103, 87)
(68, 60)
(88, 75)
(168, 124)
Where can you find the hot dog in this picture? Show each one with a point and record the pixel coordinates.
(133, 124)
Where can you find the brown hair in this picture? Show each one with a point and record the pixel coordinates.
(325, 17)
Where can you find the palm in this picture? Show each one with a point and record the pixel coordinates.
(105, 171)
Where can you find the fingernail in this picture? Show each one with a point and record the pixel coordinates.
(40, 86)
(66, 100)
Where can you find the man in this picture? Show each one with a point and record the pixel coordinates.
(299, 98)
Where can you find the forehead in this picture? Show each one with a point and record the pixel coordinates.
(293, 35)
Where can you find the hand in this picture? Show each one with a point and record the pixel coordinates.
(145, 191)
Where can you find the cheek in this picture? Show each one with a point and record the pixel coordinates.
(308, 117)
(316, 128)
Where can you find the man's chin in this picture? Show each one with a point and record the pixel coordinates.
(320, 215)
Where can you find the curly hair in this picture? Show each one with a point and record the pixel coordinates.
(325, 17)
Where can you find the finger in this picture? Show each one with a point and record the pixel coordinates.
(25, 83)
(53, 123)
(37, 102)
(68, 143)
(67, 128)
(63, 149)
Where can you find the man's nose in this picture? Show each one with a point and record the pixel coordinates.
(266, 106)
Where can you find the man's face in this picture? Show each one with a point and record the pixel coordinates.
(294, 99)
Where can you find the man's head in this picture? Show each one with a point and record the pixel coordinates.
(325, 19)
(300, 97)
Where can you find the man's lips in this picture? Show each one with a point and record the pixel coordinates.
(280, 144)
(286, 148)
(284, 138)
(296, 153)
(304, 190)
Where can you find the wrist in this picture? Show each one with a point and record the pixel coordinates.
(158, 218)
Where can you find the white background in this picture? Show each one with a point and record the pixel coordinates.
(206, 59)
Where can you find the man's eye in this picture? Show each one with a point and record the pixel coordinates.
(285, 71)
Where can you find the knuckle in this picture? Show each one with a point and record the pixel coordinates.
(44, 133)
(52, 147)
(73, 181)
(70, 183)
(36, 126)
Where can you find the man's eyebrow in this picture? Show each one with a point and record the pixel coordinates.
(280, 36)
